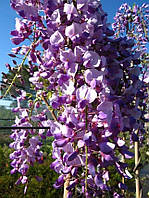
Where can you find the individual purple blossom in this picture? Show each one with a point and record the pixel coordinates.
(73, 31)
(70, 10)
(105, 110)
(67, 56)
(91, 59)
(56, 39)
(93, 76)
(146, 77)
(85, 92)
(59, 181)
(106, 147)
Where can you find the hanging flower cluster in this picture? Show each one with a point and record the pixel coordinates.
(133, 22)
(88, 83)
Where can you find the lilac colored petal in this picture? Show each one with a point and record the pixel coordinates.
(67, 56)
(81, 92)
(82, 104)
(68, 87)
(74, 171)
(55, 17)
(122, 186)
(66, 170)
(59, 182)
(14, 170)
(106, 147)
(24, 180)
(93, 84)
(106, 107)
(18, 181)
(73, 30)
(121, 167)
(85, 92)
(17, 40)
(23, 169)
(78, 161)
(48, 134)
(120, 142)
(34, 141)
(45, 75)
(63, 78)
(61, 142)
(91, 74)
(106, 176)
(87, 138)
(55, 104)
(73, 156)
(91, 95)
(72, 184)
(68, 148)
(80, 143)
(126, 153)
(81, 4)
(91, 59)
(70, 9)
(146, 77)
(92, 170)
(56, 39)
(98, 181)
(55, 164)
(107, 133)
(116, 195)
(102, 115)
(72, 69)
(79, 51)
(66, 131)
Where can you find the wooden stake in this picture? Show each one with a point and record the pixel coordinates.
(123, 179)
(66, 184)
(123, 160)
(137, 179)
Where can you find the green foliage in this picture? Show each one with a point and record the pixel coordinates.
(21, 82)
(4, 115)
(36, 189)
(6, 119)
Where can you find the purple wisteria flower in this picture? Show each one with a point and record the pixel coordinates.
(73, 31)
(92, 89)
(85, 95)
(91, 59)
(70, 10)
(56, 39)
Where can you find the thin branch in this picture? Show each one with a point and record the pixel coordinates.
(49, 108)
(86, 149)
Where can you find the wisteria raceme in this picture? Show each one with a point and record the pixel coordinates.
(94, 93)
(133, 22)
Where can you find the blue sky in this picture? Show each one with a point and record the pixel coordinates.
(7, 23)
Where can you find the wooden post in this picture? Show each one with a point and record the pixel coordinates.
(66, 184)
(123, 179)
(137, 179)
(123, 160)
